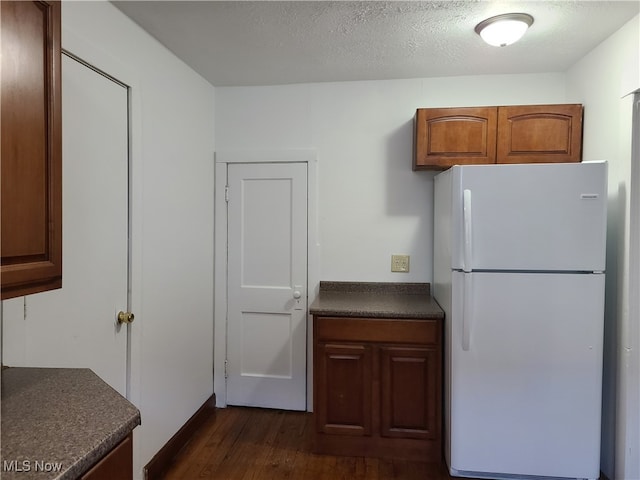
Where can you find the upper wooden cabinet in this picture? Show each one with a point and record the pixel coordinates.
(539, 134)
(454, 136)
(31, 148)
(512, 134)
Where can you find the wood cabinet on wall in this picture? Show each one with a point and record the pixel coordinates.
(31, 148)
(511, 134)
(377, 387)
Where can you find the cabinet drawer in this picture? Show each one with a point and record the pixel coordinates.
(350, 329)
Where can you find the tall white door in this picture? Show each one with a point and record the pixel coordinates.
(267, 285)
(76, 326)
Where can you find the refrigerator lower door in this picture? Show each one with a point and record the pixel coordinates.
(525, 375)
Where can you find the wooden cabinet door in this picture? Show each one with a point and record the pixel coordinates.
(454, 136)
(343, 388)
(31, 148)
(410, 392)
(539, 134)
(118, 463)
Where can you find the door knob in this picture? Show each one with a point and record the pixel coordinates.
(297, 294)
(125, 317)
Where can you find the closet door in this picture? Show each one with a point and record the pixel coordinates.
(77, 325)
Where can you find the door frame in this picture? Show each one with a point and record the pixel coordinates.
(222, 160)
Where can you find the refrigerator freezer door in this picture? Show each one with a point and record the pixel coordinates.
(547, 217)
(524, 399)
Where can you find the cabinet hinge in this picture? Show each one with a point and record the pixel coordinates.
(226, 193)
(226, 369)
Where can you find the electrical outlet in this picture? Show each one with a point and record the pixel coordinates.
(400, 263)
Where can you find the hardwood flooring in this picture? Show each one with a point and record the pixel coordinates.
(241, 443)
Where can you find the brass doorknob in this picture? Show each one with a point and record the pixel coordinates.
(125, 317)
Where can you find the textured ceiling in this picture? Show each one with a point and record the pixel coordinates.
(274, 42)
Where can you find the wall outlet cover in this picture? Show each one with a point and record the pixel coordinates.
(400, 263)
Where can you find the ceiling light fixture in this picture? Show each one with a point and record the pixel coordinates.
(503, 30)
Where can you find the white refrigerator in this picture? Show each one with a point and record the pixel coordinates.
(519, 261)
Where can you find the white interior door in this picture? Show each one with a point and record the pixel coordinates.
(267, 285)
(76, 326)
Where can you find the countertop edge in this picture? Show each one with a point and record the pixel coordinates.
(329, 312)
(407, 288)
(376, 300)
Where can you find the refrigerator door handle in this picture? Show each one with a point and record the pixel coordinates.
(467, 311)
(466, 234)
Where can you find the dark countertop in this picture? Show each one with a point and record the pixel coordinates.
(65, 416)
(376, 300)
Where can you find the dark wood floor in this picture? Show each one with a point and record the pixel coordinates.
(259, 444)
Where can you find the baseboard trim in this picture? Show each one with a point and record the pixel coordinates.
(161, 461)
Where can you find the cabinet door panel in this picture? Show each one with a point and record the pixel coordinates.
(539, 134)
(454, 136)
(118, 463)
(31, 148)
(344, 389)
(410, 391)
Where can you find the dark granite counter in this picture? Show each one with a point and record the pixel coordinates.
(57, 422)
(375, 300)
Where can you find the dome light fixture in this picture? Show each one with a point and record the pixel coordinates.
(503, 30)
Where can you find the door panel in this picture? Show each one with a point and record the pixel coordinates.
(526, 394)
(454, 136)
(409, 375)
(266, 336)
(267, 277)
(539, 133)
(266, 240)
(343, 388)
(81, 317)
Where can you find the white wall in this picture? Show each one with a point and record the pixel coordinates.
(599, 81)
(371, 204)
(172, 288)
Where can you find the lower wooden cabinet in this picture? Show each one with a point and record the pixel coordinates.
(378, 387)
(117, 464)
